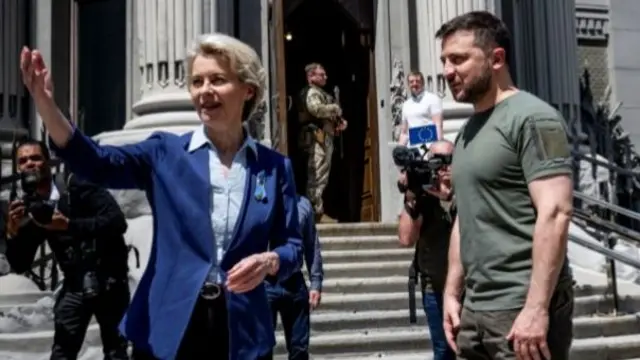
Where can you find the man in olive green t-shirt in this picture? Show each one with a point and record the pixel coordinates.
(512, 176)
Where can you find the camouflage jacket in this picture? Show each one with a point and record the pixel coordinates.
(319, 108)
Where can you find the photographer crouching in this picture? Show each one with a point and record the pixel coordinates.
(426, 222)
(84, 228)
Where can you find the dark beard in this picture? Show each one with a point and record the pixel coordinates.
(473, 92)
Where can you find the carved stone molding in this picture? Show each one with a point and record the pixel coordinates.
(592, 23)
(398, 96)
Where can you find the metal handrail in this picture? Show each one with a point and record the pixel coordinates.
(605, 164)
(615, 208)
(611, 254)
(610, 227)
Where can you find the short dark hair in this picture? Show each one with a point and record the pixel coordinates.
(488, 29)
(32, 142)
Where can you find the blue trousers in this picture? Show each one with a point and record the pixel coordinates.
(294, 313)
(432, 303)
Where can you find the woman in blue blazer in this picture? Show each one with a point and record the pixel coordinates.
(224, 210)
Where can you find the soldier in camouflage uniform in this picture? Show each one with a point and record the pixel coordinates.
(321, 120)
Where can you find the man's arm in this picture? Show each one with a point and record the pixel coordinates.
(455, 272)
(103, 212)
(317, 107)
(545, 158)
(550, 235)
(312, 251)
(408, 227)
(404, 130)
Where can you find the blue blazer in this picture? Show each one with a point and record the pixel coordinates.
(177, 186)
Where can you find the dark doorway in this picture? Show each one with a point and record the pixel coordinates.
(323, 31)
(102, 65)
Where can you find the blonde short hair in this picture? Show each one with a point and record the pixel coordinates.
(242, 58)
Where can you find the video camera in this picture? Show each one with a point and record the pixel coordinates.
(421, 167)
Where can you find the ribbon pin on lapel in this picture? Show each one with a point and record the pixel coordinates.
(261, 192)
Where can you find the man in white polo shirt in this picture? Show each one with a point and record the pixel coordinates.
(420, 109)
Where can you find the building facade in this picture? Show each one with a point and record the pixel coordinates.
(119, 71)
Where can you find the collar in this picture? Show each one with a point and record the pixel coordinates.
(55, 194)
(199, 139)
(418, 97)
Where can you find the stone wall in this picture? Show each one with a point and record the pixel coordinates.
(593, 56)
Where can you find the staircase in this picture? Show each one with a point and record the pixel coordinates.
(364, 310)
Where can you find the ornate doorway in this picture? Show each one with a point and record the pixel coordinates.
(338, 35)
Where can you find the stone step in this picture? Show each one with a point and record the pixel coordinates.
(355, 242)
(623, 347)
(363, 285)
(23, 298)
(390, 293)
(397, 340)
(427, 355)
(399, 283)
(354, 303)
(357, 229)
(335, 285)
(416, 355)
(584, 327)
(350, 256)
(370, 340)
(378, 342)
(367, 269)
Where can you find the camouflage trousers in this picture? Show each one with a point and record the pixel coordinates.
(318, 166)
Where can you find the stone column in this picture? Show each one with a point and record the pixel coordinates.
(430, 16)
(162, 31)
(14, 102)
(13, 35)
(546, 53)
(400, 37)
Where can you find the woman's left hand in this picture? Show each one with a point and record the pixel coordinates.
(249, 273)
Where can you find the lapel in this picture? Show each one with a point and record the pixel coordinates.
(203, 186)
(200, 187)
(247, 200)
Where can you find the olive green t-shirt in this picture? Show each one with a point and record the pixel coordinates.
(498, 152)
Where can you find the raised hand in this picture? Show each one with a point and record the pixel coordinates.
(35, 74)
(37, 80)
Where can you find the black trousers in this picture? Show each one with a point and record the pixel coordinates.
(207, 334)
(72, 314)
(293, 307)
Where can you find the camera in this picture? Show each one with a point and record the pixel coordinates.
(38, 207)
(420, 167)
(41, 209)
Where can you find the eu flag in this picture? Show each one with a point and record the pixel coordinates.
(425, 134)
